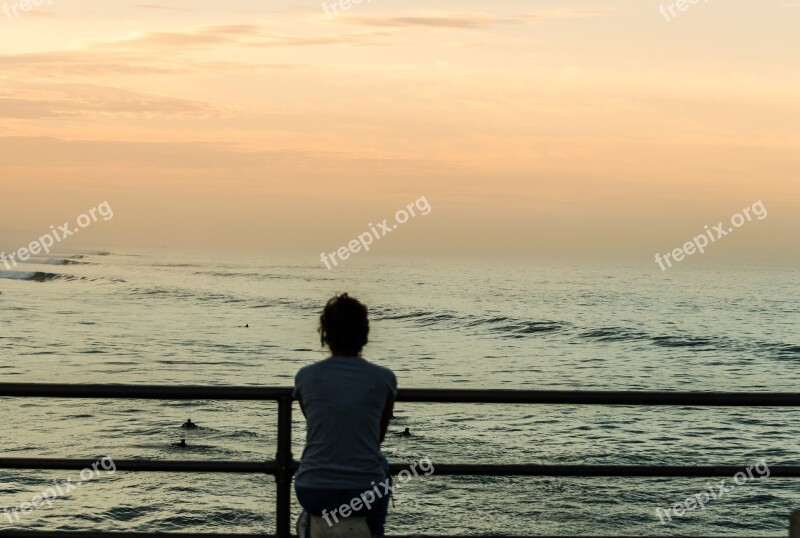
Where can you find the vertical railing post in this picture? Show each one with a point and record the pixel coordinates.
(283, 476)
(794, 525)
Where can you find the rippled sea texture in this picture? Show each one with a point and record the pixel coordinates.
(165, 319)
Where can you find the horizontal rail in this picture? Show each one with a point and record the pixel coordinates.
(442, 469)
(143, 392)
(589, 397)
(565, 397)
(460, 469)
(165, 466)
(92, 534)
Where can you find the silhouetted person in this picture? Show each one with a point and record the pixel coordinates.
(189, 425)
(347, 402)
(182, 444)
(405, 433)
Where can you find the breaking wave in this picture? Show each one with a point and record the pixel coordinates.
(36, 276)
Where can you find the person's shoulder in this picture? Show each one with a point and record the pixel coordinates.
(305, 376)
(381, 371)
(311, 368)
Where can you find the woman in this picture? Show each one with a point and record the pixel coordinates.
(347, 402)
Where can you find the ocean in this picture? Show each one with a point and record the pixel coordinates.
(163, 318)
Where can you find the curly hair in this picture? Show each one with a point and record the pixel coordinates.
(344, 326)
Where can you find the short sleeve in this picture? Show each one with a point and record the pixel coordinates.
(297, 386)
(393, 385)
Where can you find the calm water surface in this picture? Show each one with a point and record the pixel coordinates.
(156, 319)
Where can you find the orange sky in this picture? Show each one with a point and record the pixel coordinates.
(578, 129)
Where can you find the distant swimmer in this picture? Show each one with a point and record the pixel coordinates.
(182, 444)
(247, 326)
(189, 425)
(405, 433)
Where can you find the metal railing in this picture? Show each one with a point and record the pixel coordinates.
(284, 466)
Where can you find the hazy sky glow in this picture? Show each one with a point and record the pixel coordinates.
(534, 128)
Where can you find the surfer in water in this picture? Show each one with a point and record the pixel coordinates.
(189, 425)
(182, 444)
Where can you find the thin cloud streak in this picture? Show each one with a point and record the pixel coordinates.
(472, 21)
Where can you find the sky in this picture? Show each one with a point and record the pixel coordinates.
(578, 129)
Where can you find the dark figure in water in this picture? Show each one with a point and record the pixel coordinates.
(182, 444)
(405, 433)
(247, 326)
(189, 425)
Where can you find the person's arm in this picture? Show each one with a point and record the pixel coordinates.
(386, 417)
(297, 395)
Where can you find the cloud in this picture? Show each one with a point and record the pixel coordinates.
(102, 62)
(463, 21)
(26, 109)
(33, 101)
(190, 38)
(244, 35)
(42, 153)
(472, 21)
(165, 53)
(158, 6)
(55, 81)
